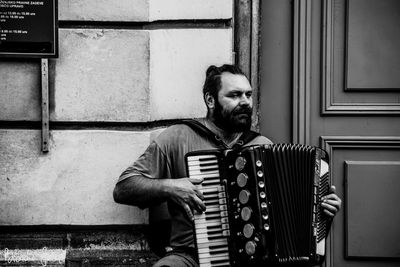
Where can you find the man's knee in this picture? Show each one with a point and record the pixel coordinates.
(176, 260)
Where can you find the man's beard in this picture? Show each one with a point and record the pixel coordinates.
(237, 120)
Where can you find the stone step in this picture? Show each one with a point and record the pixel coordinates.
(116, 245)
(32, 257)
(76, 257)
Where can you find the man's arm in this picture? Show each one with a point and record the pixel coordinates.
(143, 192)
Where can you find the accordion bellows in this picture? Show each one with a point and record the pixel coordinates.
(263, 205)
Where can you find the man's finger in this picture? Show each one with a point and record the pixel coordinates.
(199, 194)
(329, 205)
(328, 213)
(199, 204)
(196, 180)
(188, 211)
(333, 199)
(332, 202)
(332, 196)
(332, 189)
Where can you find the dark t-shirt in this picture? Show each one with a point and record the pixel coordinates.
(165, 158)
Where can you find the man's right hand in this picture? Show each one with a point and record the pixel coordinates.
(184, 192)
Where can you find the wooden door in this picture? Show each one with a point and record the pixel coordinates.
(330, 76)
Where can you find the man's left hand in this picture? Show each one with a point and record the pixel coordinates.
(331, 203)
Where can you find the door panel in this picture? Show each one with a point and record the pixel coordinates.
(365, 171)
(373, 41)
(345, 98)
(361, 57)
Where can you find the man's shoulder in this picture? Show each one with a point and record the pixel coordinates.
(260, 140)
(175, 132)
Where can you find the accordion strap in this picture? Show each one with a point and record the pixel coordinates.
(204, 131)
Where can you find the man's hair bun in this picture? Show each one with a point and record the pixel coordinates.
(211, 70)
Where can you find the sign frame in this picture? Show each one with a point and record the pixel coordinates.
(33, 54)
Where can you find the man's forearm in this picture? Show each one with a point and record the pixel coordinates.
(141, 191)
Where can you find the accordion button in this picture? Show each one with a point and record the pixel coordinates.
(261, 184)
(258, 163)
(245, 214)
(250, 247)
(244, 196)
(241, 179)
(240, 162)
(248, 230)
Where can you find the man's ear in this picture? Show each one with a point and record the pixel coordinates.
(210, 100)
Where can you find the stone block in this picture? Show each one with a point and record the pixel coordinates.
(71, 184)
(20, 90)
(103, 10)
(143, 10)
(102, 75)
(178, 61)
(189, 9)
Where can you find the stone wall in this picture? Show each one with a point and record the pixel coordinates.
(125, 68)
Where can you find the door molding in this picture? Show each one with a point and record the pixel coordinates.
(246, 24)
(328, 104)
(301, 71)
(330, 143)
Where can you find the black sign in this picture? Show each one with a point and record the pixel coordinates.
(28, 28)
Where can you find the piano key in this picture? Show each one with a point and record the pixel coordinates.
(209, 251)
(222, 233)
(210, 190)
(210, 236)
(194, 173)
(211, 197)
(212, 260)
(223, 256)
(207, 240)
(204, 229)
(210, 182)
(226, 233)
(210, 176)
(216, 223)
(203, 220)
(214, 244)
(201, 157)
(214, 254)
(203, 162)
(204, 167)
(210, 202)
(204, 223)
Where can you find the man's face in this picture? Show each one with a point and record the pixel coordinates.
(234, 105)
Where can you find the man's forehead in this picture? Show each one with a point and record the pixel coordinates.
(234, 81)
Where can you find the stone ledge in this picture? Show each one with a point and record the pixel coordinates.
(63, 245)
(32, 257)
(76, 257)
(107, 257)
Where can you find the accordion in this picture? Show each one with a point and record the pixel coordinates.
(263, 205)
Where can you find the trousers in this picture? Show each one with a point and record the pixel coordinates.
(178, 258)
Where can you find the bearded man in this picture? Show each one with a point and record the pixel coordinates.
(159, 174)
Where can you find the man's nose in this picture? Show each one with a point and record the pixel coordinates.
(245, 100)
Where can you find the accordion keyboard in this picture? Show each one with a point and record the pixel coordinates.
(211, 227)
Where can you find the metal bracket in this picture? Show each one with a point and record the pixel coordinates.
(45, 104)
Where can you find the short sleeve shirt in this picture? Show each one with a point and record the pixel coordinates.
(165, 158)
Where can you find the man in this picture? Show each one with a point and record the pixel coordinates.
(159, 174)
